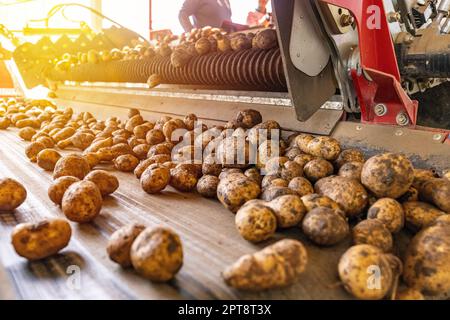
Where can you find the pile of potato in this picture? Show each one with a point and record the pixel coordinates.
(271, 182)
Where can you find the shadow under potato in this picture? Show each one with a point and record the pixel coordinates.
(60, 265)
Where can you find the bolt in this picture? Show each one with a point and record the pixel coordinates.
(402, 119)
(437, 137)
(380, 109)
(346, 20)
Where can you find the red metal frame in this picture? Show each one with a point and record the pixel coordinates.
(379, 81)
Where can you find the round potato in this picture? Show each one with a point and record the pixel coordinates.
(301, 186)
(126, 163)
(349, 155)
(289, 210)
(190, 121)
(71, 165)
(33, 149)
(272, 192)
(437, 192)
(318, 169)
(254, 174)
(389, 212)
(12, 194)
(183, 180)
(207, 186)
(27, 133)
(36, 241)
(106, 182)
(324, 147)
(351, 170)
(141, 151)
(157, 254)
(388, 175)
(249, 118)
(47, 159)
(303, 159)
(312, 201)
(235, 190)
(373, 232)
(419, 215)
(349, 194)
(59, 187)
(325, 226)
(155, 179)
(120, 242)
(302, 141)
(256, 222)
(82, 202)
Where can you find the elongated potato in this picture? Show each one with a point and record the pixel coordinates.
(36, 241)
(82, 202)
(120, 242)
(287, 260)
(12, 194)
(419, 215)
(33, 149)
(106, 182)
(59, 187)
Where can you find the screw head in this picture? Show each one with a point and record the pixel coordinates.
(437, 137)
(380, 109)
(402, 119)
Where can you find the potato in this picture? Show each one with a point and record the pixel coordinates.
(289, 210)
(161, 148)
(82, 202)
(268, 179)
(236, 190)
(351, 170)
(318, 169)
(240, 42)
(303, 159)
(190, 121)
(256, 222)
(409, 294)
(133, 122)
(325, 226)
(249, 118)
(427, 259)
(157, 254)
(63, 134)
(155, 179)
(99, 144)
(36, 241)
(126, 163)
(349, 194)
(28, 123)
(349, 155)
(293, 153)
(373, 232)
(388, 175)
(437, 192)
(421, 176)
(254, 174)
(272, 192)
(301, 186)
(183, 180)
(32, 150)
(411, 195)
(106, 182)
(133, 112)
(278, 182)
(367, 272)
(266, 151)
(58, 188)
(207, 186)
(419, 215)
(324, 147)
(120, 242)
(389, 212)
(155, 137)
(47, 159)
(312, 201)
(12, 194)
(233, 152)
(46, 141)
(287, 260)
(228, 172)
(27, 133)
(92, 159)
(288, 170)
(71, 165)
(4, 123)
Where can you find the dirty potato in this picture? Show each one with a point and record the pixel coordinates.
(388, 175)
(82, 202)
(389, 212)
(272, 192)
(235, 190)
(106, 182)
(325, 226)
(437, 192)
(157, 254)
(183, 180)
(120, 242)
(302, 141)
(324, 147)
(207, 186)
(155, 178)
(126, 163)
(318, 169)
(254, 174)
(312, 201)
(419, 215)
(59, 187)
(421, 176)
(32, 150)
(47, 159)
(301, 186)
(249, 118)
(351, 170)
(373, 232)
(36, 241)
(287, 258)
(155, 137)
(409, 294)
(289, 210)
(12, 194)
(71, 165)
(349, 155)
(256, 222)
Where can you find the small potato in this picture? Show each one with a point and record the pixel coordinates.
(324, 147)
(302, 141)
(134, 122)
(47, 159)
(272, 192)
(46, 141)
(389, 212)
(287, 260)
(254, 174)
(155, 179)
(106, 182)
(289, 210)
(33, 149)
(419, 215)
(133, 112)
(349, 155)
(183, 180)
(157, 254)
(303, 159)
(265, 39)
(120, 242)
(249, 118)
(142, 166)
(293, 153)
(36, 241)
(256, 222)
(351, 170)
(235, 190)
(437, 192)
(211, 166)
(71, 165)
(155, 137)
(325, 226)
(373, 232)
(141, 151)
(126, 163)
(141, 131)
(27, 133)
(409, 294)
(82, 202)
(59, 187)
(12, 194)
(312, 201)
(207, 186)
(301, 186)
(318, 169)
(190, 121)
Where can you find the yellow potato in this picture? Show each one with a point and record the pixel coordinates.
(106, 182)
(47, 159)
(120, 242)
(58, 188)
(71, 165)
(82, 202)
(12, 194)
